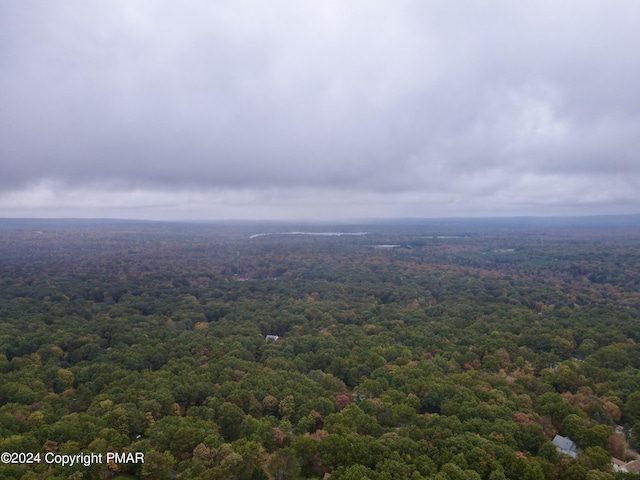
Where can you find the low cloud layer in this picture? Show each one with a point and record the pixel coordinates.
(245, 109)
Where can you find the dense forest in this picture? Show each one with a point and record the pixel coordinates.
(414, 350)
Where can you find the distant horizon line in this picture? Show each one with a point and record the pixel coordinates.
(359, 220)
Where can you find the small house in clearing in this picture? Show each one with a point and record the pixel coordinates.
(271, 337)
(565, 445)
(627, 467)
(633, 466)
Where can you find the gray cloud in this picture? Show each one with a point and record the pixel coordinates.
(276, 108)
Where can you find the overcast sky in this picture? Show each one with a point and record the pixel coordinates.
(330, 109)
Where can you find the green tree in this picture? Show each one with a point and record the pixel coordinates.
(157, 466)
(284, 465)
(598, 459)
(631, 411)
(229, 418)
